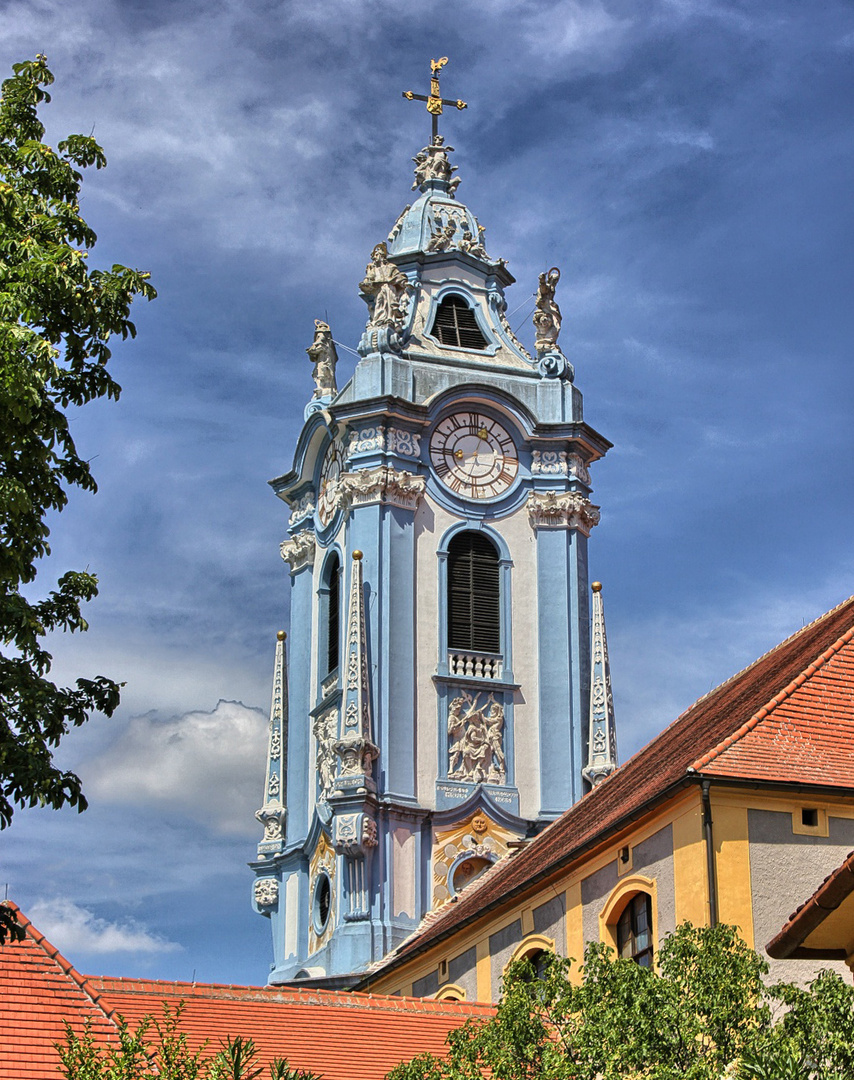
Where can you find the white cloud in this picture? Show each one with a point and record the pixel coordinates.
(206, 765)
(74, 929)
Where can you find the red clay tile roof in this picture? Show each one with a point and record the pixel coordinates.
(703, 733)
(341, 1035)
(38, 990)
(833, 891)
(804, 733)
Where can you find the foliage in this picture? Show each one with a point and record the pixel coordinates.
(10, 929)
(704, 1014)
(159, 1050)
(56, 319)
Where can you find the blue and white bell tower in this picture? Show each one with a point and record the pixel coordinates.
(434, 705)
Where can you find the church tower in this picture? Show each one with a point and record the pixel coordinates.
(435, 705)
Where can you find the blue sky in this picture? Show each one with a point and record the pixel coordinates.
(689, 167)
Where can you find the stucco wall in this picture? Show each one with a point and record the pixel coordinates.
(501, 946)
(462, 970)
(427, 986)
(550, 920)
(594, 892)
(786, 868)
(653, 858)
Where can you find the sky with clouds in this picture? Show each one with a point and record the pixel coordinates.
(688, 165)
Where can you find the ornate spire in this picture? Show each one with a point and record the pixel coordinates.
(355, 748)
(272, 814)
(602, 735)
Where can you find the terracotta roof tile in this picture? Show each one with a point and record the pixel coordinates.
(703, 733)
(39, 989)
(804, 733)
(338, 1034)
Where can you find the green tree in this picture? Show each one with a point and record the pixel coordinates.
(159, 1050)
(57, 317)
(704, 1014)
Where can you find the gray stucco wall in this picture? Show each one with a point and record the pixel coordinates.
(550, 920)
(501, 946)
(653, 858)
(427, 986)
(785, 869)
(594, 890)
(462, 970)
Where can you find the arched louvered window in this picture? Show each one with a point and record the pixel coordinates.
(474, 605)
(333, 613)
(455, 324)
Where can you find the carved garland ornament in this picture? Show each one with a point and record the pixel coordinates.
(562, 510)
(298, 551)
(266, 892)
(383, 484)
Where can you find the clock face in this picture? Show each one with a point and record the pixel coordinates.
(473, 455)
(330, 470)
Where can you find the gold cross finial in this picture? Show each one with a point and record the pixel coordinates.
(435, 101)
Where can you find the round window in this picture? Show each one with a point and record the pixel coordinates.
(468, 871)
(322, 903)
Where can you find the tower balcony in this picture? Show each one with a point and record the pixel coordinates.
(476, 665)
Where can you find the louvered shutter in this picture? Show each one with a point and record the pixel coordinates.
(455, 324)
(474, 610)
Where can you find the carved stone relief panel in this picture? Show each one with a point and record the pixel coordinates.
(325, 731)
(476, 739)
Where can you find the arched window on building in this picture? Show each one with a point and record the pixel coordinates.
(474, 595)
(627, 921)
(330, 606)
(455, 324)
(634, 930)
(537, 950)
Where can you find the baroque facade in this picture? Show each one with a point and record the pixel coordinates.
(435, 705)
(734, 813)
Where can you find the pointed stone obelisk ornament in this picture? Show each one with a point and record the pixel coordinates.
(272, 814)
(355, 747)
(602, 733)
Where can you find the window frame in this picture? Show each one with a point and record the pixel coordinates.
(618, 900)
(332, 561)
(448, 302)
(493, 341)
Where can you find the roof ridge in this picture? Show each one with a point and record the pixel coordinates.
(285, 994)
(733, 678)
(51, 951)
(778, 698)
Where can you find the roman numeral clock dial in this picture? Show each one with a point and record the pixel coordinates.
(473, 455)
